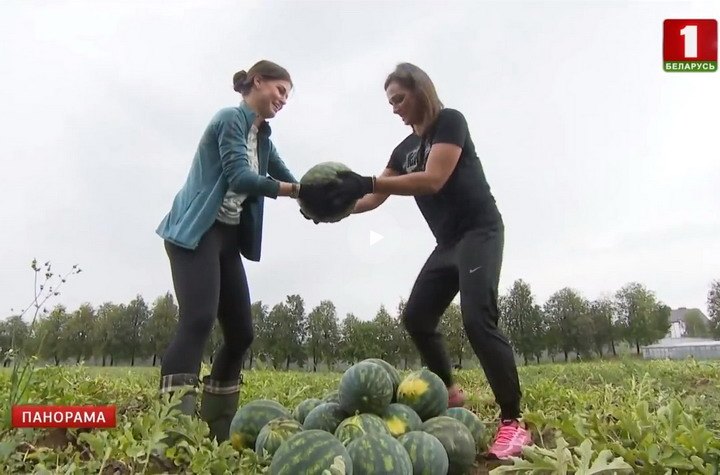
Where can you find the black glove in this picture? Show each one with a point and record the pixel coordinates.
(352, 186)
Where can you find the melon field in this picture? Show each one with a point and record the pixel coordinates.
(623, 416)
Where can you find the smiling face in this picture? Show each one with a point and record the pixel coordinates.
(270, 95)
(404, 103)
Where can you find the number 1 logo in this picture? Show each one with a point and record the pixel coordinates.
(690, 46)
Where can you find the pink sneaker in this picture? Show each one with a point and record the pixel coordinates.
(456, 396)
(509, 441)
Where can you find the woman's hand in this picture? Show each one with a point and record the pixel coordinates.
(352, 186)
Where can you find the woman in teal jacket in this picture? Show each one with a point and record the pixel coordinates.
(215, 218)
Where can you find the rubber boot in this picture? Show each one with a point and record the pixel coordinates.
(218, 406)
(187, 404)
(170, 383)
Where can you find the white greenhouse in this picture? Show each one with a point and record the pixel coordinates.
(681, 348)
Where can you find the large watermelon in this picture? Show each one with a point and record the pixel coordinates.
(274, 433)
(303, 408)
(359, 425)
(379, 454)
(365, 387)
(250, 418)
(392, 372)
(311, 452)
(427, 454)
(424, 392)
(326, 416)
(400, 419)
(325, 172)
(472, 422)
(457, 440)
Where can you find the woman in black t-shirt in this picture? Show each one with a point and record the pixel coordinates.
(437, 165)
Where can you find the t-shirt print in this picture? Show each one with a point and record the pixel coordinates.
(414, 161)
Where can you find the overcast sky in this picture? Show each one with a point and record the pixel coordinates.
(605, 167)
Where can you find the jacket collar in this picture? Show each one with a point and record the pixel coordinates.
(250, 116)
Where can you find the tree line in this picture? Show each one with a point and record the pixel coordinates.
(289, 334)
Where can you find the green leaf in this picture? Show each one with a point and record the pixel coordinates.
(679, 462)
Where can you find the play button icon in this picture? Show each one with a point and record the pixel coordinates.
(373, 237)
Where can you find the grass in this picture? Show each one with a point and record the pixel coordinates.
(651, 416)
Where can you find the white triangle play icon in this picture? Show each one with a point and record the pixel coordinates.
(375, 237)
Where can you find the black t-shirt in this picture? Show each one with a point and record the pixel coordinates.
(465, 202)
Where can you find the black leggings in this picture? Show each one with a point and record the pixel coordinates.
(472, 266)
(210, 283)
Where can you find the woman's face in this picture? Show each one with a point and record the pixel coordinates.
(271, 96)
(404, 103)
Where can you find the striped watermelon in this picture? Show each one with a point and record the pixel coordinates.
(400, 419)
(472, 422)
(311, 452)
(325, 172)
(359, 425)
(379, 454)
(427, 454)
(392, 372)
(303, 409)
(457, 440)
(424, 392)
(274, 433)
(326, 416)
(250, 418)
(365, 387)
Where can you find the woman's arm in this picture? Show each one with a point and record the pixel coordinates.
(373, 200)
(277, 168)
(441, 162)
(230, 128)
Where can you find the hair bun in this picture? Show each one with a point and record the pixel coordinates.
(239, 79)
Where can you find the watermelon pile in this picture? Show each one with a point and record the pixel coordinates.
(375, 422)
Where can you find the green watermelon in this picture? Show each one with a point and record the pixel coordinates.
(326, 416)
(424, 392)
(472, 422)
(457, 440)
(400, 419)
(302, 409)
(427, 454)
(379, 454)
(332, 396)
(250, 418)
(311, 452)
(325, 172)
(274, 433)
(392, 372)
(365, 387)
(359, 425)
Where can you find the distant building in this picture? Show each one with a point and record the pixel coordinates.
(678, 325)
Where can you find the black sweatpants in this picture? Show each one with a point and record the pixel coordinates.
(472, 267)
(210, 283)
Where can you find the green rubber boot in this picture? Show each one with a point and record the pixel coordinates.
(187, 404)
(218, 406)
(171, 383)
